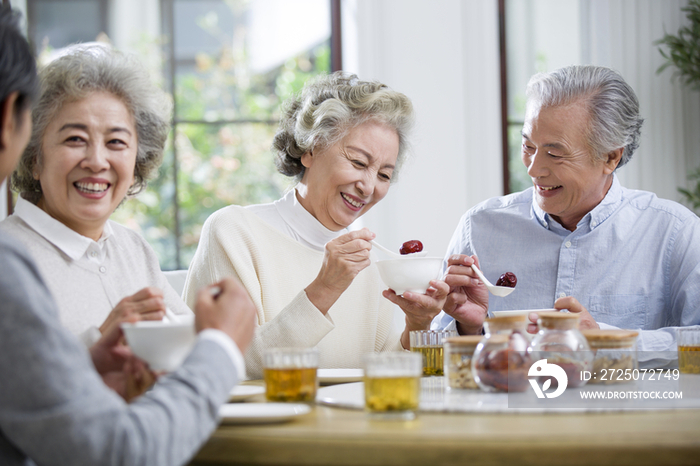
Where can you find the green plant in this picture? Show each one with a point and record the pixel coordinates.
(684, 48)
(683, 53)
(693, 197)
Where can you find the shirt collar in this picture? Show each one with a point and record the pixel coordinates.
(542, 216)
(73, 244)
(303, 223)
(595, 217)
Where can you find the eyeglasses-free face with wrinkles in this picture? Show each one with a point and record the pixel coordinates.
(343, 181)
(89, 154)
(569, 181)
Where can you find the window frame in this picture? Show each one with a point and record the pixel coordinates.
(504, 95)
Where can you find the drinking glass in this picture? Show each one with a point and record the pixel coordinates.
(429, 344)
(290, 374)
(688, 350)
(392, 384)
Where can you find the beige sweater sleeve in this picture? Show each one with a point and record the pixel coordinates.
(231, 247)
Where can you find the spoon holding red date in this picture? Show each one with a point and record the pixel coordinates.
(501, 289)
(411, 247)
(507, 279)
(408, 249)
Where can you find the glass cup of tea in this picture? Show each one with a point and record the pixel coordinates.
(429, 343)
(392, 384)
(290, 374)
(688, 350)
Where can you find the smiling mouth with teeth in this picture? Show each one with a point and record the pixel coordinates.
(352, 202)
(92, 187)
(548, 188)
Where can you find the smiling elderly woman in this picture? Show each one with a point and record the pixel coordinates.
(98, 134)
(311, 279)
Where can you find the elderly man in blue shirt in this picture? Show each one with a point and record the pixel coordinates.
(578, 240)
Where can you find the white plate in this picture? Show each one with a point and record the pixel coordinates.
(518, 313)
(329, 376)
(260, 413)
(243, 392)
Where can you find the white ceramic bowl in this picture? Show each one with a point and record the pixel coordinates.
(409, 273)
(163, 345)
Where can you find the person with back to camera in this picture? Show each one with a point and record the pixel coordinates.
(312, 281)
(99, 132)
(577, 240)
(54, 407)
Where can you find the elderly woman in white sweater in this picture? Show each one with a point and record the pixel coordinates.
(98, 134)
(311, 279)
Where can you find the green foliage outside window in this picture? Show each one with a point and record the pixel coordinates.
(219, 164)
(682, 52)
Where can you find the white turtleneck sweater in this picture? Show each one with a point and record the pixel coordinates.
(288, 216)
(276, 250)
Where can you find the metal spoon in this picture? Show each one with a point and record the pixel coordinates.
(397, 255)
(500, 291)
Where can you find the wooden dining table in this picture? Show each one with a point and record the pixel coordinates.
(330, 435)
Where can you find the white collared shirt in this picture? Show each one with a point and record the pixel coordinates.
(82, 249)
(633, 262)
(71, 243)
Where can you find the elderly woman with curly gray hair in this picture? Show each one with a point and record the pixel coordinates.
(99, 131)
(311, 279)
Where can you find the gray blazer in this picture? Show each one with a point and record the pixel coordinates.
(54, 408)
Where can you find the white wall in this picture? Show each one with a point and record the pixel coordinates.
(443, 54)
(621, 34)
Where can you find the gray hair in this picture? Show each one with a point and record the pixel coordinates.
(75, 75)
(328, 108)
(613, 107)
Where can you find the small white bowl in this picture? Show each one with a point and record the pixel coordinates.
(163, 345)
(409, 273)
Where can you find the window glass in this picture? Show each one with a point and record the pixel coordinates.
(49, 20)
(222, 165)
(229, 65)
(541, 35)
(233, 58)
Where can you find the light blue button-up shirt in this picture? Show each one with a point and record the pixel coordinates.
(633, 261)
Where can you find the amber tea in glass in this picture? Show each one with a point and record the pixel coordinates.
(429, 344)
(392, 384)
(433, 359)
(290, 384)
(689, 359)
(291, 374)
(688, 350)
(392, 393)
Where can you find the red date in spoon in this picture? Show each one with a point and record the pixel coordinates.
(507, 279)
(410, 247)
